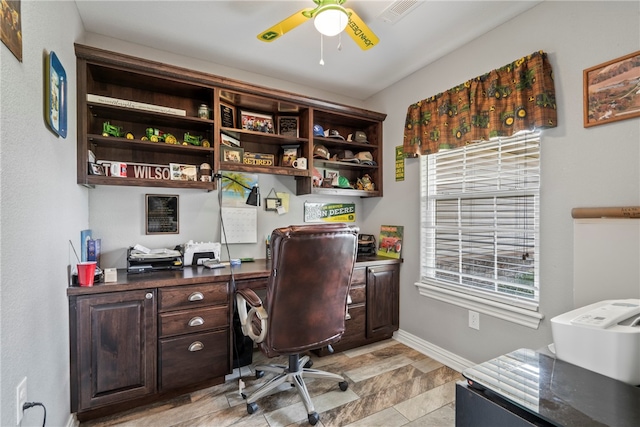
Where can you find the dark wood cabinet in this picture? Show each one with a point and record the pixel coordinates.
(113, 348)
(149, 337)
(145, 114)
(382, 300)
(373, 306)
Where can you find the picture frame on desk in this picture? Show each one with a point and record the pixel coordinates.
(231, 154)
(257, 122)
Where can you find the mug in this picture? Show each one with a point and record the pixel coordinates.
(300, 163)
(119, 169)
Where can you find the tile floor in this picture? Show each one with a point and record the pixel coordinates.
(390, 385)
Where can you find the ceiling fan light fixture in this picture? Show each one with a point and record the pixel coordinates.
(331, 20)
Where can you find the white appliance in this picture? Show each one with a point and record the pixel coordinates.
(603, 337)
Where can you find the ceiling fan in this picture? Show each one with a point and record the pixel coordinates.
(330, 18)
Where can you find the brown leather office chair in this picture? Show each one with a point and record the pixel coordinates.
(305, 305)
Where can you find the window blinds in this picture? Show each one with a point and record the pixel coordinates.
(480, 218)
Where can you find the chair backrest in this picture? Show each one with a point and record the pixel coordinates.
(308, 286)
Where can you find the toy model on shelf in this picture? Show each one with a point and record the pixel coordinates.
(112, 130)
(156, 135)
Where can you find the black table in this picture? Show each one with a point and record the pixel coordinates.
(526, 387)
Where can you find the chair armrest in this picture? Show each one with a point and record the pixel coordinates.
(250, 297)
(256, 316)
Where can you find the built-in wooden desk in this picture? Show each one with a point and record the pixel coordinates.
(153, 335)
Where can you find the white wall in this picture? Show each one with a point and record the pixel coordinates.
(599, 166)
(42, 209)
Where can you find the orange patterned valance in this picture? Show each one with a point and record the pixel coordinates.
(518, 96)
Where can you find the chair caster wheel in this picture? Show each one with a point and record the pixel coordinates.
(259, 374)
(252, 407)
(343, 385)
(313, 418)
(308, 364)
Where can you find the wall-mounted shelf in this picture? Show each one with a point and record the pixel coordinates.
(134, 94)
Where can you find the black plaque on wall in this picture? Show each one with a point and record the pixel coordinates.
(227, 116)
(161, 214)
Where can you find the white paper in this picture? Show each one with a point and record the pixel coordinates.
(240, 225)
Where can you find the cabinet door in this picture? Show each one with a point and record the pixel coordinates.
(382, 301)
(116, 347)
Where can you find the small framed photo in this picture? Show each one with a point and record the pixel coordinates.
(331, 177)
(288, 126)
(180, 172)
(231, 154)
(227, 115)
(257, 122)
(228, 140)
(96, 169)
(289, 155)
(611, 90)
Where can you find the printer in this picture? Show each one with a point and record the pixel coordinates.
(603, 337)
(196, 253)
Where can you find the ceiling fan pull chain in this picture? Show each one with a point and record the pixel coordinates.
(339, 42)
(321, 49)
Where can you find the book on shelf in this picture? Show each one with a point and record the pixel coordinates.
(105, 100)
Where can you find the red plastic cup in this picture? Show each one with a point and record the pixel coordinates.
(86, 272)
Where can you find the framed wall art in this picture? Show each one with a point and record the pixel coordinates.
(257, 122)
(611, 90)
(161, 214)
(11, 26)
(56, 95)
(231, 154)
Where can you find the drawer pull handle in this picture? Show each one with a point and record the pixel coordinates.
(149, 295)
(196, 321)
(196, 296)
(196, 346)
(349, 300)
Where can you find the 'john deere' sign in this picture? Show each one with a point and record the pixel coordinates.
(329, 212)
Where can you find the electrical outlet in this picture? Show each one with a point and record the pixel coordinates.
(21, 399)
(474, 320)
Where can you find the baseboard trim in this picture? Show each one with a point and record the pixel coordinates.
(443, 356)
(72, 421)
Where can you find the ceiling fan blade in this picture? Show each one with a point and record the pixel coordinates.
(285, 25)
(359, 32)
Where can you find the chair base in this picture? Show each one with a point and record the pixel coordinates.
(293, 374)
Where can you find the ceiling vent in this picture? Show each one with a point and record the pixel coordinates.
(398, 10)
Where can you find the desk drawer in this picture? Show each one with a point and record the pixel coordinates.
(192, 296)
(193, 320)
(358, 293)
(359, 276)
(193, 358)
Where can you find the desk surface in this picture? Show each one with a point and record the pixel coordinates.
(559, 392)
(258, 269)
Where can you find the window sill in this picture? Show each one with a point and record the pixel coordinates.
(529, 318)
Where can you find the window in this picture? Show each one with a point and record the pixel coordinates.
(480, 212)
